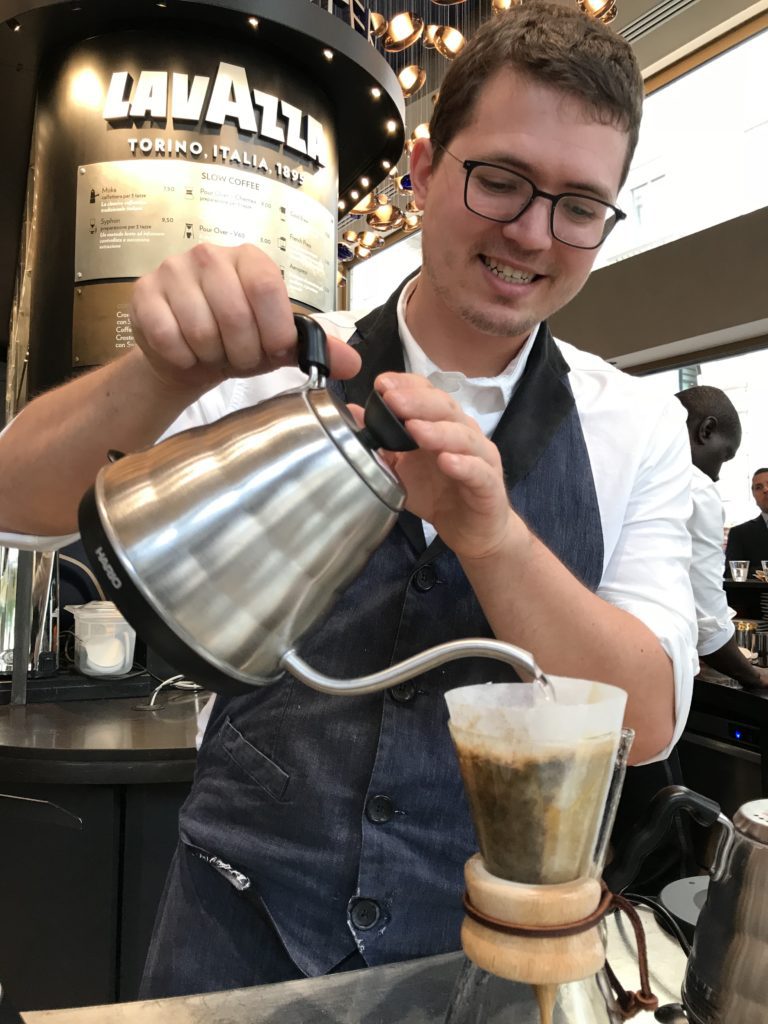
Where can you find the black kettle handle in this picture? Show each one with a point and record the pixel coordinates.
(651, 828)
(312, 345)
(382, 428)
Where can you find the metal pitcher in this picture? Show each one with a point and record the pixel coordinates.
(224, 544)
(726, 981)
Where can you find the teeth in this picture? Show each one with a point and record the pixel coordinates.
(507, 273)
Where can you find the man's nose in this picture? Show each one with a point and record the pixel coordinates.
(531, 230)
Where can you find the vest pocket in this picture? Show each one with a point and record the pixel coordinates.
(257, 766)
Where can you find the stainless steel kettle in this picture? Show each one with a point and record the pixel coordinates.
(224, 544)
(726, 981)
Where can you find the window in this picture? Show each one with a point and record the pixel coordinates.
(702, 158)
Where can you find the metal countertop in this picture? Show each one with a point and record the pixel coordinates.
(415, 992)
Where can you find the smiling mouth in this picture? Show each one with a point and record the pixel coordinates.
(510, 274)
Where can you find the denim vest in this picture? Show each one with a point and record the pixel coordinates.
(348, 814)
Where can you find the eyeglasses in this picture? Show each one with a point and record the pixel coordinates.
(502, 195)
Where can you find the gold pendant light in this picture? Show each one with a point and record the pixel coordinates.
(366, 205)
(370, 240)
(403, 31)
(601, 10)
(386, 218)
(377, 24)
(411, 79)
(428, 39)
(449, 41)
(499, 6)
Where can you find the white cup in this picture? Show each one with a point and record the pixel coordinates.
(739, 570)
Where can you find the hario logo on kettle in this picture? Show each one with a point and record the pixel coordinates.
(106, 565)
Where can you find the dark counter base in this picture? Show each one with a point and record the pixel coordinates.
(73, 686)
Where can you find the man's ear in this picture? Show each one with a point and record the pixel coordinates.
(707, 428)
(421, 169)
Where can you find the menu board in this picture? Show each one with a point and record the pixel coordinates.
(130, 216)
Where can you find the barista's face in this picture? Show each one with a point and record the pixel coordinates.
(502, 279)
(760, 490)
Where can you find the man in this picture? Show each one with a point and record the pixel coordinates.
(323, 834)
(714, 430)
(750, 540)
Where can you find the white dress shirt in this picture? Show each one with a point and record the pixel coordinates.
(705, 526)
(640, 457)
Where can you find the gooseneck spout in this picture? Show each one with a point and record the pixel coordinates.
(496, 650)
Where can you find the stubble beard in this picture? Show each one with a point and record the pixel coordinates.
(499, 323)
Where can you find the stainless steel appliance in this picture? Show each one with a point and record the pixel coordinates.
(29, 608)
(726, 981)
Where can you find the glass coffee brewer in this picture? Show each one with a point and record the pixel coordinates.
(543, 778)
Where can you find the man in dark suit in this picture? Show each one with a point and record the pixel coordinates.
(750, 540)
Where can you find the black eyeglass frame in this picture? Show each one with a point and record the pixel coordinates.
(470, 165)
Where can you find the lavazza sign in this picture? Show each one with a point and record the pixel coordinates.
(163, 96)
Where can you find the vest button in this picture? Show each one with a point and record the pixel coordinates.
(364, 913)
(379, 809)
(403, 693)
(424, 578)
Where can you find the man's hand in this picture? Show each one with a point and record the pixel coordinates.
(454, 480)
(758, 679)
(212, 313)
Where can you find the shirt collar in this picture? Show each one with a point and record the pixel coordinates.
(491, 391)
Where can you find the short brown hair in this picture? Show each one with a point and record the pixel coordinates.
(555, 46)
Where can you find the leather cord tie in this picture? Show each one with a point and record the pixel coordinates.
(629, 1003)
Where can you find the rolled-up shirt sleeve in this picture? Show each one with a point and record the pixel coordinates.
(713, 616)
(641, 465)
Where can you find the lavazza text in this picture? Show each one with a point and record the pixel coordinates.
(158, 95)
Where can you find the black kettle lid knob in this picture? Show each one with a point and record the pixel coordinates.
(383, 429)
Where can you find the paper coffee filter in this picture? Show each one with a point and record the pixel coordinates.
(517, 716)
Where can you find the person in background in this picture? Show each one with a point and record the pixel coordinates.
(714, 430)
(749, 540)
(546, 506)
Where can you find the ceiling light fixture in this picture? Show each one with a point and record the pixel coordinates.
(328, 54)
(366, 205)
(377, 24)
(376, 92)
(499, 6)
(403, 31)
(449, 41)
(386, 218)
(13, 25)
(428, 39)
(411, 79)
(391, 127)
(601, 10)
(370, 240)
(253, 22)
(350, 237)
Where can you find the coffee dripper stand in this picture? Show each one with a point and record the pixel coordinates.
(572, 981)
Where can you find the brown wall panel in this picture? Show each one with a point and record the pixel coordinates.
(714, 280)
